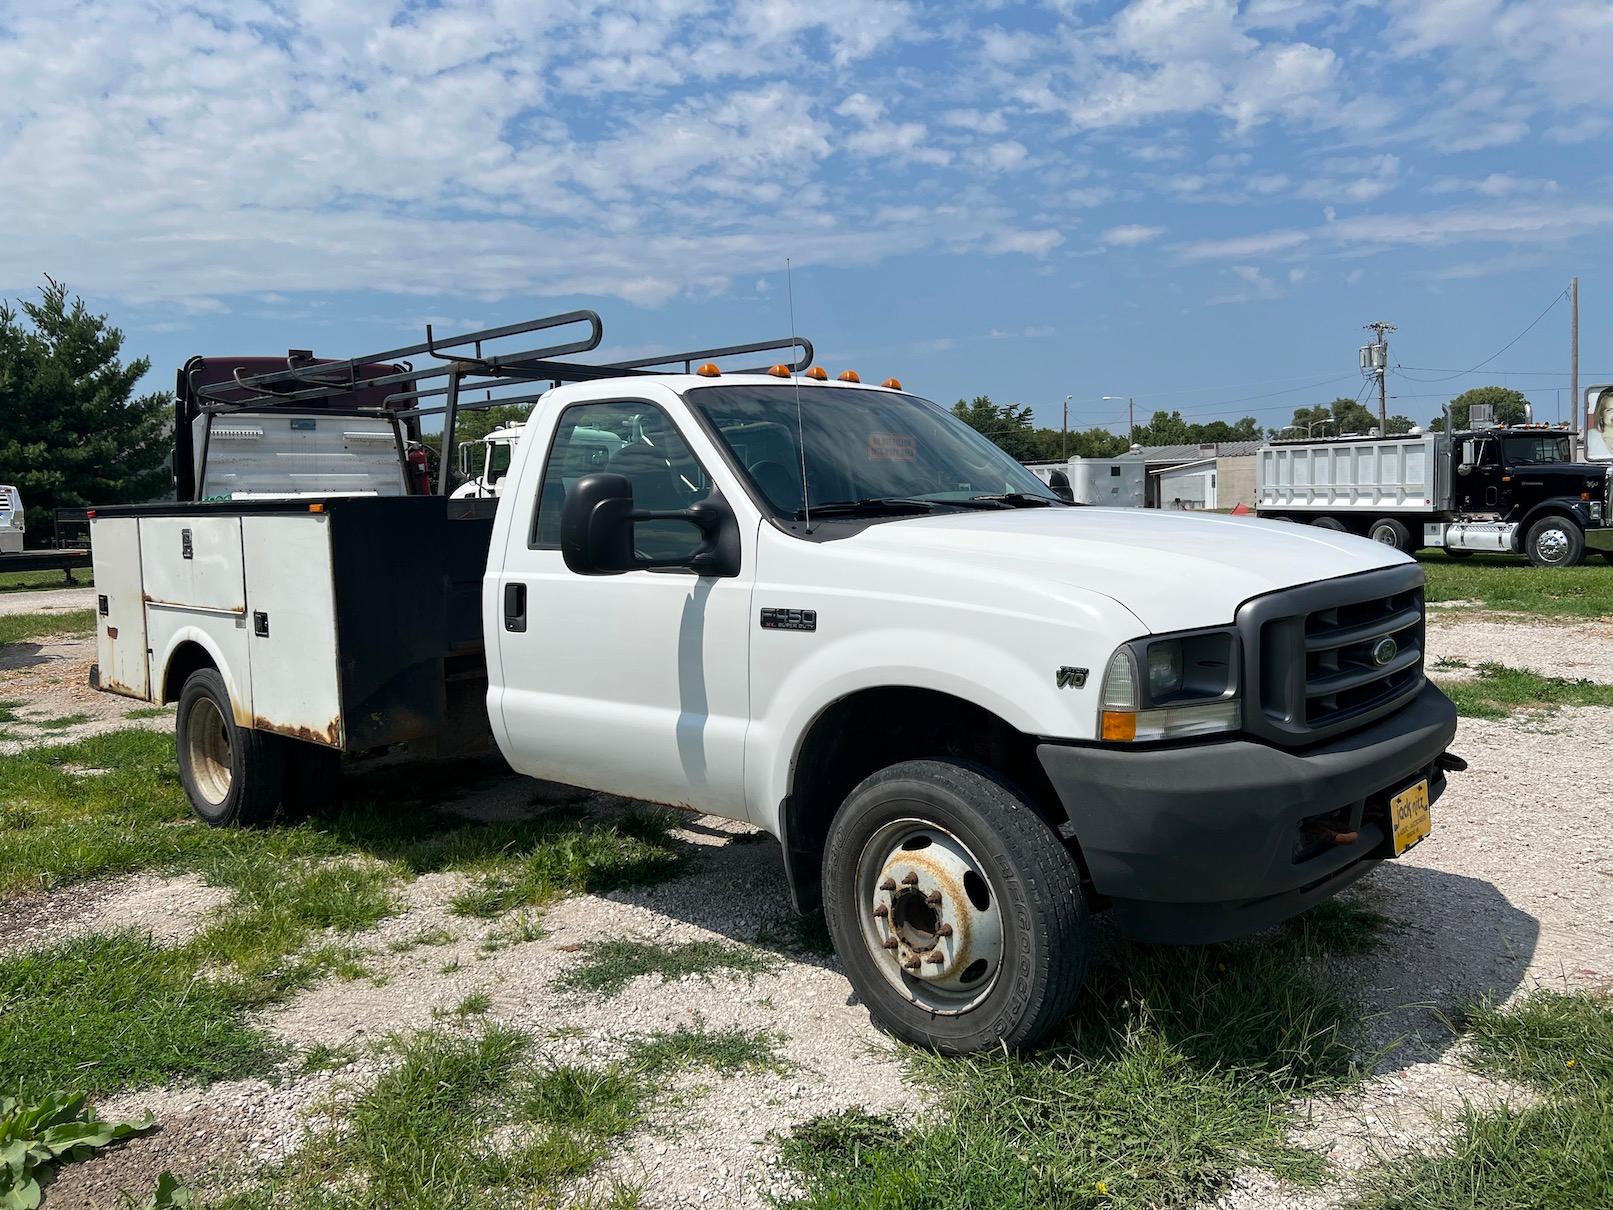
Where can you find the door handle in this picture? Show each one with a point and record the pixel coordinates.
(515, 607)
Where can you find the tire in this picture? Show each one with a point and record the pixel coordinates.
(1004, 912)
(232, 775)
(1554, 542)
(1330, 523)
(1391, 532)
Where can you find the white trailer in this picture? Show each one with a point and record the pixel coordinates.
(1368, 478)
(13, 524)
(1109, 482)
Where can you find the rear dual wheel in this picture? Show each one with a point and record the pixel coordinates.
(955, 908)
(236, 776)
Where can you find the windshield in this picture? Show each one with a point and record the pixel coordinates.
(1523, 451)
(861, 446)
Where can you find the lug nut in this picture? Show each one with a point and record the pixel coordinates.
(881, 911)
(911, 878)
(935, 957)
(933, 899)
(890, 943)
(944, 931)
(912, 963)
(888, 885)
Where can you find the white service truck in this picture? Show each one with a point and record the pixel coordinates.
(972, 714)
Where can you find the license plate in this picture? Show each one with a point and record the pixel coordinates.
(1409, 815)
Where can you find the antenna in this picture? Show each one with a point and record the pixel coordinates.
(800, 432)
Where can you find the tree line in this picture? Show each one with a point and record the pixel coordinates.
(1013, 427)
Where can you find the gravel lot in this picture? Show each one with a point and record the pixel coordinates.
(1514, 888)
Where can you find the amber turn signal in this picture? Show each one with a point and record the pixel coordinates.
(1119, 725)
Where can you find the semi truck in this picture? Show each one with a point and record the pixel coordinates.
(972, 714)
(1507, 489)
(13, 520)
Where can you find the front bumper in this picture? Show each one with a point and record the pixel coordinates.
(1204, 842)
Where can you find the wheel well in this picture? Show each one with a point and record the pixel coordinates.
(186, 659)
(874, 728)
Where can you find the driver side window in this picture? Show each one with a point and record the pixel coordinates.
(639, 442)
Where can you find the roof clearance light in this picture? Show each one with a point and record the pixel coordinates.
(780, 371)
(893, 384)
(709, 370)
(818, 374)
(849, 376)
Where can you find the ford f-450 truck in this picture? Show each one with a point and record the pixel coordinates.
(971, 713)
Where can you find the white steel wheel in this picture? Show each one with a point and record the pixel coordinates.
(232, 775)
(207, 745)
(955, 909)
(929, 918)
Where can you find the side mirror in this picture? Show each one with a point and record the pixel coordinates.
(596, 531)
(464, 460)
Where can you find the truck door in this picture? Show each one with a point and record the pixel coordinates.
(1478, 475)
(634, 683)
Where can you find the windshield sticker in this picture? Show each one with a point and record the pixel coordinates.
(892, 447)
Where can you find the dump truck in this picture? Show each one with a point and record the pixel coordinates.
(972, 714)
(1504, 489)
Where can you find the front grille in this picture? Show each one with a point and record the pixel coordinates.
(1328, 657)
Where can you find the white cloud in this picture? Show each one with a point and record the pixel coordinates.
(1130, 235)
(1243, 245)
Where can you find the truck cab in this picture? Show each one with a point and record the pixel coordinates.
(1526, 475)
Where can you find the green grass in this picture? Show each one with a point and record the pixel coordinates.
(112, 804)
(1554, 1154)
(19, 627)
(103, 1012)
(31, 581)
(728, 1052)
(8, 711)
(1179, 1067)
(567, 854)
(1501, 583)
(468, 1120)
(61, 722)
(1496, 691)
(150, 712)
(608, 966)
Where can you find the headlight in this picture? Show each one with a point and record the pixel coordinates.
(1171, 687)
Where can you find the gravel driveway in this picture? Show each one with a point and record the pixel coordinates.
(1513, 888)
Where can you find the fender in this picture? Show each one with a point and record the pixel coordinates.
(240, 698)
(1571, 507)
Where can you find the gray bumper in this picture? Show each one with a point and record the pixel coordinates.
(1203, 842)
(1600, 538)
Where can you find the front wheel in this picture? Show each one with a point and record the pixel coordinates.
(956, 910)
(1555, 542)
(232, 775)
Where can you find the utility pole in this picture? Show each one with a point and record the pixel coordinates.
(1580, 419)
(1375, 360)
(1064, 444)
(1131, 416)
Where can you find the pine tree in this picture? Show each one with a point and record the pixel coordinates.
(71, 432)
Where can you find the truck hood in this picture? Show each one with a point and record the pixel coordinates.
(1173, 571)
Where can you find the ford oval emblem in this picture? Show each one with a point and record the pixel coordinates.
(1384, 650)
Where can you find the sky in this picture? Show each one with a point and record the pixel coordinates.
(1194, 203)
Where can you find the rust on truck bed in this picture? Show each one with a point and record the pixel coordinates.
(329, 737)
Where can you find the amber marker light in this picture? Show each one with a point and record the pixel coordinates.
(849, 376)
(818, 374)
(709, 370)
(892, 384)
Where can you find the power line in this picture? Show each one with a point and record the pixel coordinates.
(1561, 294)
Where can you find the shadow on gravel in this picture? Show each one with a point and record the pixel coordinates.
(1450, 941)
(24, 653)
(1404, 951)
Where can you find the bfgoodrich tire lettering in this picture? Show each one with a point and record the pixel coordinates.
(232, 775)
(967, 826)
